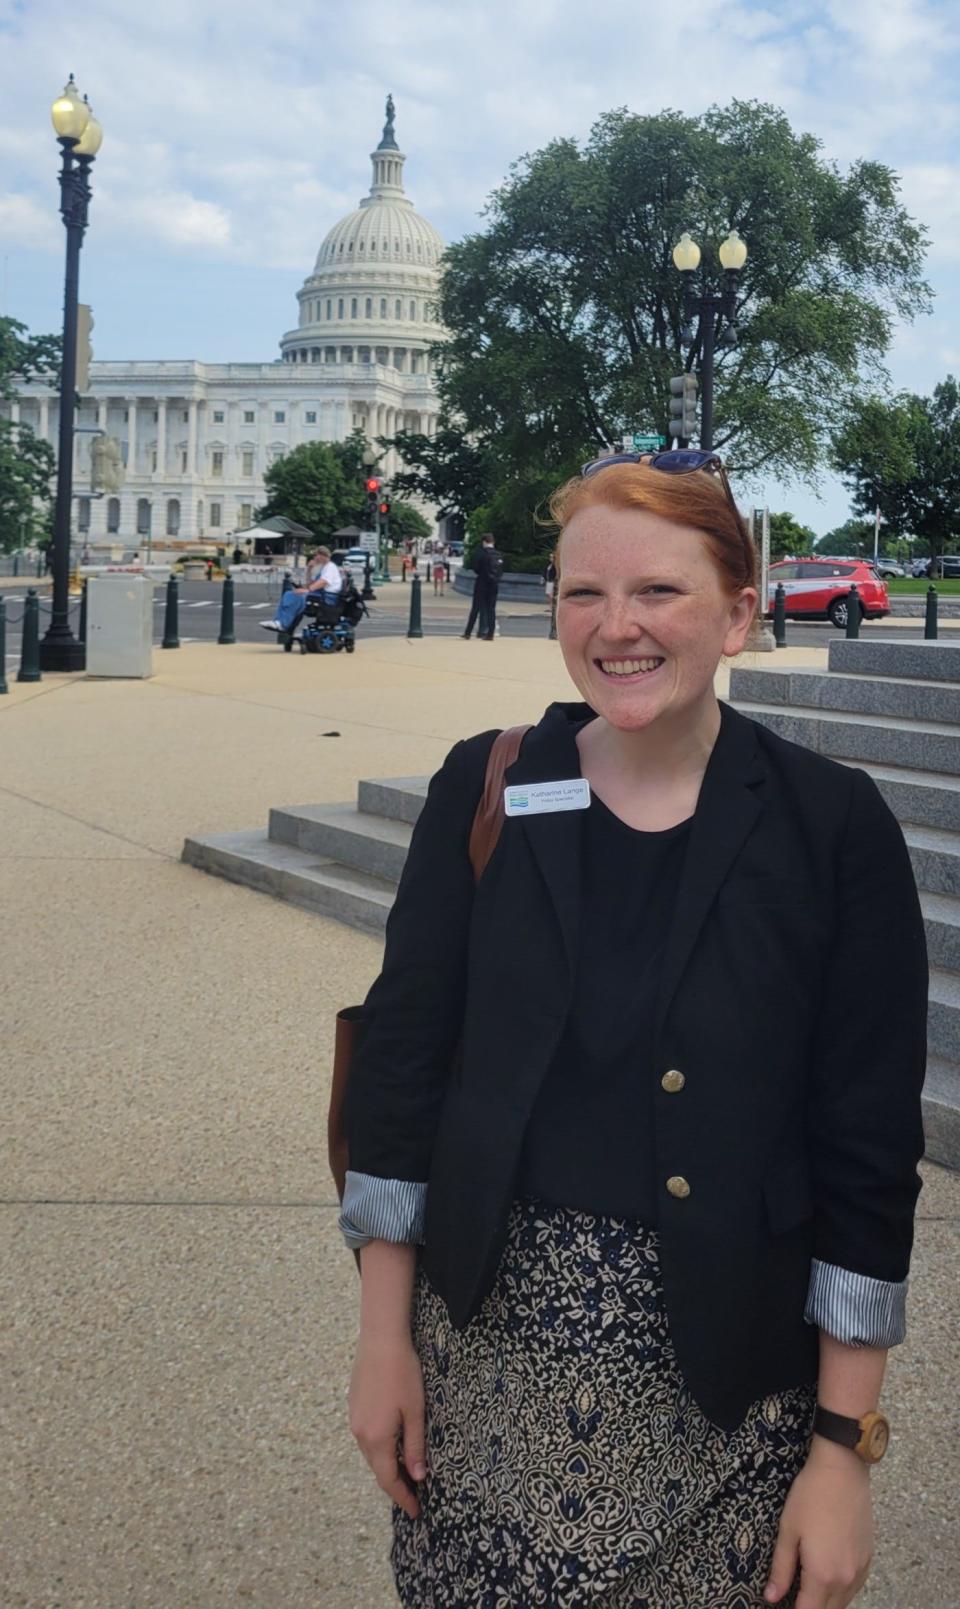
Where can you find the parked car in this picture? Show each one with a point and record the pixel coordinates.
(948, 565)
(354, 560)
(817, 589)
(920, 567)
(886, 568)
(455, 550)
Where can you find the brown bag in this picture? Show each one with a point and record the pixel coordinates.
(484, 836)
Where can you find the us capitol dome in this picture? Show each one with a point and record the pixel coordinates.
(196, 439)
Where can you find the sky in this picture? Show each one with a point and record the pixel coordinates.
(235, 136)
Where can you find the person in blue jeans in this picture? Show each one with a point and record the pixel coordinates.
(322, 576)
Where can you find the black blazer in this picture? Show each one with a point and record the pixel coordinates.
(798, 1126)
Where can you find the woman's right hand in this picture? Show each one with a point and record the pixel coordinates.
(387, 1407)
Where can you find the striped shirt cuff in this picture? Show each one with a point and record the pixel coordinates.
(856, 1309)
(382, 1209)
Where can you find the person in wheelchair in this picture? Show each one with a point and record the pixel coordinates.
(323, 577)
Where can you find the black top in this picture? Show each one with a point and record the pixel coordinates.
(489, 567)
(589, 1143)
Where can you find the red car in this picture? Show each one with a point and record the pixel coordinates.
(816, 589)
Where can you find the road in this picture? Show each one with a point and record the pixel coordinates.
(389, 615)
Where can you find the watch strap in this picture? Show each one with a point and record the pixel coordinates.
(836, 1427)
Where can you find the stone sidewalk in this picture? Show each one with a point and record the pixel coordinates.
(178, 1310)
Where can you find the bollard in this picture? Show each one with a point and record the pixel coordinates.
(82, 631)
(171, 616)
(415, 629)
(552, 634)
(368, 591)
(226, 613)
(853, 612)
(16, 564)
(287, 583)
(3, 645)
(30, 652)
(930, 618)
(39, 568)
(780, 616)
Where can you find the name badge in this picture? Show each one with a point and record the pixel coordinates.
(542, 798)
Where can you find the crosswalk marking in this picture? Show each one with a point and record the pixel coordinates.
(207, 603)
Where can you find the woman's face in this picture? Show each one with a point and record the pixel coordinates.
(642, 616)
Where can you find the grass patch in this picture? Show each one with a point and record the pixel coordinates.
(902, 587)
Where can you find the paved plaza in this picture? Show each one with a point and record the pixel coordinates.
(178, 1310)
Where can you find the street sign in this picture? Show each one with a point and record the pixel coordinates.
(649, 444)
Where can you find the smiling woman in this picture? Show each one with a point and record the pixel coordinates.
(617, 1230)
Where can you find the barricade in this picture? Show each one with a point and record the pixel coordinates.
(930, 626)
(780, 616)
(171, 615)
(415, 628)
(226, 613)
(30, 650)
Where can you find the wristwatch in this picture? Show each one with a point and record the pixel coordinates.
(868, 1437)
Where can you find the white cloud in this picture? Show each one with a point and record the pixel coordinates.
(25, 224)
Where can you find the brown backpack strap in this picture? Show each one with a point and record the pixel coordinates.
(489, 818)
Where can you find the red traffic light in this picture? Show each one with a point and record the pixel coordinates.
(384, 508)
(373, 484)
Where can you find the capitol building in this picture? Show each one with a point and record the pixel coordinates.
(196, 439)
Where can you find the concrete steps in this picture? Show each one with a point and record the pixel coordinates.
(317, 884)
(894, 709)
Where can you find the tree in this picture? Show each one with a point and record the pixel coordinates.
(446, 469)
(903, 457)
(407, 523)
(787, 535)
(565, 315)
(26, 463)
(852, 540)
(308, 485)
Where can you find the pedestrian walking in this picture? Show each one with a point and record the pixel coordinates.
(550, 579)
(633, 1249)
(483, 608)
(439, 573)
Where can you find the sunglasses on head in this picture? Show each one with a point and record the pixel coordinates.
(675, 461)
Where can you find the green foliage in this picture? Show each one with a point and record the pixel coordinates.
(407, 523)
(852, 540)
(318, 485)
(787, 535)
(26, 463)
(903, 457)
(446, 469)
(565, 314)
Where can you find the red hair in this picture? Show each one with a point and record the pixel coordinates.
(697, 499)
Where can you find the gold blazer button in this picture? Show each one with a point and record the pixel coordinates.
(672, 1081)
(678, 1186)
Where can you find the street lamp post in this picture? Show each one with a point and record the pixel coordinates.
(79, 135)
(712, 311)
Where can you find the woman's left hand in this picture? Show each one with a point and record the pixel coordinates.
(827, 1529)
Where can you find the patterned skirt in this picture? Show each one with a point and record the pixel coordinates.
(567, 1462)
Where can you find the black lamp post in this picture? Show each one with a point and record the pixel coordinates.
(713, 312)
(79, 135)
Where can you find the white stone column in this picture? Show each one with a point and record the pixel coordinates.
(131, 436)
(161, 437)
(15, 411)
(44, 419)
(192, 438)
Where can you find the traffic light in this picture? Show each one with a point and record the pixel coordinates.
(683, 406)
(385, 507)
(83, 349)
(372, 484)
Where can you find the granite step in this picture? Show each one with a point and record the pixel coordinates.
(926, 701)
(869, 739)
(925, 798)
(935, 856)
(943, 1015)
(369, 843)
(399, 798)
(316, 884)
(941, 1111)
(901, 661)
(941, 920)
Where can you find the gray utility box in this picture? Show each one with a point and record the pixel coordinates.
(120, 625)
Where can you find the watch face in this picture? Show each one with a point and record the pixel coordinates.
(878, 1437)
